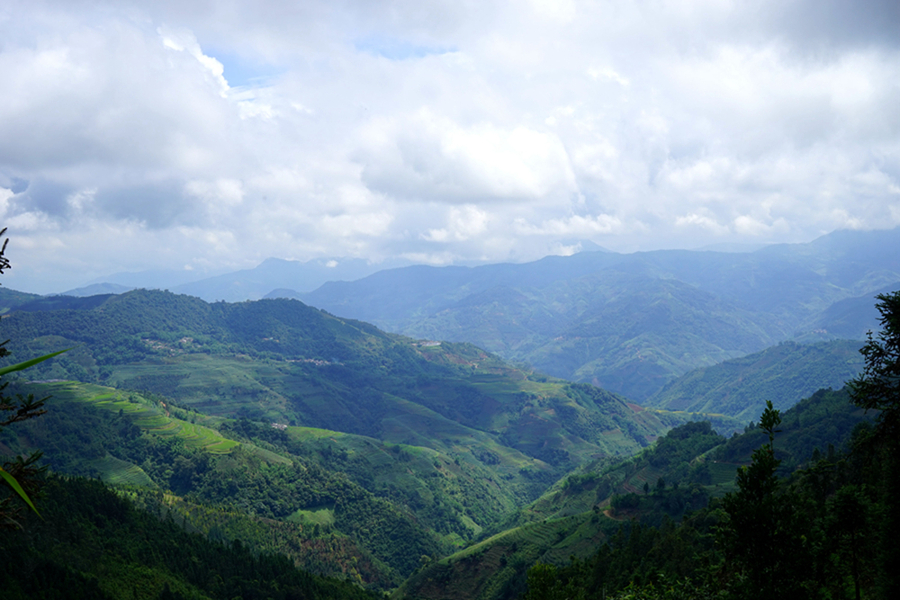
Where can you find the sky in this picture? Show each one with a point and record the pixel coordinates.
(206, 136)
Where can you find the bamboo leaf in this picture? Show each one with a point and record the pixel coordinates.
(11, 481)
(29, 363)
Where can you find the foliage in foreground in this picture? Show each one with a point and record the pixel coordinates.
(812, 534)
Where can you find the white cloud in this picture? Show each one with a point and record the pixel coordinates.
(463, 223)
(703, 222)
(561, 11)
(576, 225)
(608, 74)
(5, 195)
(430, 157)
(182, 40)
(750, 226)
(447, 131)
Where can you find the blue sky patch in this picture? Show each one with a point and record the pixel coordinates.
(398, 49)
(241, 71)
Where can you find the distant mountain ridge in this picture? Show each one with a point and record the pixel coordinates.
(245, 284)
(272, 273)
(96, 289)
(631, 322)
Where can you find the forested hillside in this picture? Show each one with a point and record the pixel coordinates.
(282, 361)
(135, 441)
(797, 523)
(90, 543)
(275, 410)
(782, 374)
(11, 298)
(681, 477)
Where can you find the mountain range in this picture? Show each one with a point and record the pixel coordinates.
(666, 482)
(631, 323)
(246, 284)
(782, 374)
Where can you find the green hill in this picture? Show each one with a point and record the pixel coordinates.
(282, 361)
(678, 474)
(236, 406)
(11, 298)
(784, 374)
(228, 489)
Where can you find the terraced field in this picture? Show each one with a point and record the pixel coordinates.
(151, 416)
(722, 477)
(121, 472)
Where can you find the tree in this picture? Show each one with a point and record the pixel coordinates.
(764, 536)
(878, 388)
(18, 474)
(847, 523)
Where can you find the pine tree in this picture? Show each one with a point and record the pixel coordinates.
(878, 388)
(764, 536)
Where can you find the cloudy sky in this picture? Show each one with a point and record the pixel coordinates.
(207, 136)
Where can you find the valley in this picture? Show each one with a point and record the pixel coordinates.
(430, 468)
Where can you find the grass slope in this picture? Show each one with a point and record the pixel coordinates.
(783, 374)
(496, 567)
(151, 415)
(132, 440)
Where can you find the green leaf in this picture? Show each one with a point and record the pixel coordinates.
(29, 363)
(18, 488)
